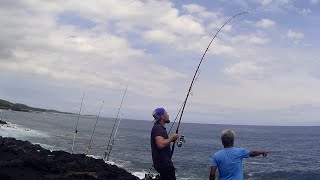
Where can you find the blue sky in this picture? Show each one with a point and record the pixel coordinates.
(262, 69)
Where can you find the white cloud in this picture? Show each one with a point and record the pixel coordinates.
(250, 39)
(40, 46)
(273, 93)
(265, 23)
(265, 2)
(160, 36)
(245, 70)
(294, 35)
(277, 6)
(305, 12)
(314, 1)
(275, 3)
(137, 42)
(194, 8)
(199, 11)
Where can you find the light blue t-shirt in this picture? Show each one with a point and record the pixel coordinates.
(229, 162)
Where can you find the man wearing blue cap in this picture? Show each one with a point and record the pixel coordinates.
(160, 145)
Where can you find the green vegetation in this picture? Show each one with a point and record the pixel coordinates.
(22, 107)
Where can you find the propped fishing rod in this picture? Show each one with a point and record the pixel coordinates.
(94, 128)
(195, 74)
(111, 139)
(76, 129)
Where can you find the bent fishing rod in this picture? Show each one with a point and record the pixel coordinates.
(175, 119)
(195, 75)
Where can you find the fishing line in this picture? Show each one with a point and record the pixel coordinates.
(195, 74)
(195, 77)
(175, 119)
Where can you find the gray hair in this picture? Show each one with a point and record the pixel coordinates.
(227, 137)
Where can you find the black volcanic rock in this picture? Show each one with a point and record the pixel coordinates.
(23, 160)
(2, 122)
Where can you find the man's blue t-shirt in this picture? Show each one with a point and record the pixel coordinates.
(229, 162)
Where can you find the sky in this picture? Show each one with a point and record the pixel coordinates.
(262, 69)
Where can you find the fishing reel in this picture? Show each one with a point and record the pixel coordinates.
(150, 176)
(181, 141)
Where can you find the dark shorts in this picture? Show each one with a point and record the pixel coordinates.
(168, 173)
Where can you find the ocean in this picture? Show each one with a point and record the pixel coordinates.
(293, 150)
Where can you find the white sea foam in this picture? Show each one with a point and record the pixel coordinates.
(140, 175)
(49, 147)
(110, 162)
(19, 132)
(95, 157)
(259, 163)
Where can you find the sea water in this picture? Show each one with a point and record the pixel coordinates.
(293, 150)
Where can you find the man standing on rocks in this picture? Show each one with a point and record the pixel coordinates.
(160, 145)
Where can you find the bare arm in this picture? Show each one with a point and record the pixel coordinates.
(162, 143)
(213, 173)
(255, 153)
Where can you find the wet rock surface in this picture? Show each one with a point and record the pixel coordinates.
(23, 160)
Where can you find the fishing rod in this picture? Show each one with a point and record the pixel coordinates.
(175, 119)
(114, 137)
(195, 74)
(109, 146)
(76, 130)
(89, 144)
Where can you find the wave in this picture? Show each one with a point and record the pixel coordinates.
(95, 157)
(139, 174)
(49, 147)
(119, 163)
(301, 175)
(259, 163)
(20, 132)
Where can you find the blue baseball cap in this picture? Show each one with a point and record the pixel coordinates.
(158, 112)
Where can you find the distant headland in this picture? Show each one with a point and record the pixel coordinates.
(25, 108)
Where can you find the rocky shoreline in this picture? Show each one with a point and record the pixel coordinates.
(23, 160)
(2, 122)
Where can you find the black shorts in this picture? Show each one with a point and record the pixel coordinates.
(168, 173)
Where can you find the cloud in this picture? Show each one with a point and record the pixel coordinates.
(248, 70)
(276, 6)
(294, 35)
(266, 2)
(247, 93)
(193, 8)
(314, 1)
(305, 12)
(250, 39)
(152, 46)
(265, 23)
(199, 11)
(160, 36)
(40, 46)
